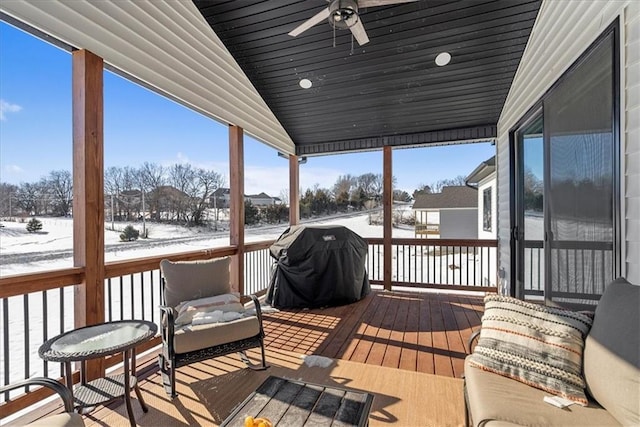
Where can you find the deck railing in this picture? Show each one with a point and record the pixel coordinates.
(436, 263)
(37, 306)
(581, 270)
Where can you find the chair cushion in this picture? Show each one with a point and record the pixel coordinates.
(538, 345)
(611, 353)
(225, 303)
(191, 280)
(190, 338)
(495, 400)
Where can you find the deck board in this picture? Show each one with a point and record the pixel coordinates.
(415, 331)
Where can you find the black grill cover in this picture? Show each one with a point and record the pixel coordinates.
(318, 266)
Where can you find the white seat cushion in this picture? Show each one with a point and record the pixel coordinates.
(190, 338)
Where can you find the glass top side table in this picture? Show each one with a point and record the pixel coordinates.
(92, 342)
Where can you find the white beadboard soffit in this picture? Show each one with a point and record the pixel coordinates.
(165, 45)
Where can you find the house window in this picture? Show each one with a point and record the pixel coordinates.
(486, 209)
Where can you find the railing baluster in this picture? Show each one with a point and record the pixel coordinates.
(131, 297)
(109, 301)
(25, 317)
(45, 327)
(142, 299)
(5, 344)
(61, 314)
(121, 298)
(153, 293)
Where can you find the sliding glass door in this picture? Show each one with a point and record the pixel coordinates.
(566, 180)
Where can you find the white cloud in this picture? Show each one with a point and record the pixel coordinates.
(6, 107)
(13, 169)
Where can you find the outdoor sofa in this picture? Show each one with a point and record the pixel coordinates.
(608, 364)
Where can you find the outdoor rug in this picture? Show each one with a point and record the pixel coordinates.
(210, 390)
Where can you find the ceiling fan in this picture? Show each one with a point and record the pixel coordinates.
(343, 14)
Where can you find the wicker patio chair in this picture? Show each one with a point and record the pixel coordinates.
(198, 290)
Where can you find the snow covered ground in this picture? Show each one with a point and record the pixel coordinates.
(22, 252)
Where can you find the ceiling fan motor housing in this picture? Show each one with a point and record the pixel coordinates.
(343, 14)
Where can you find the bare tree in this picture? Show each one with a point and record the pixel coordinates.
(342, 190)
(153, 178)
(59, 185)
(437, 186)
(7, 199)
(371, 184)
(200, 193)
(181, 177)
(284, 196)
(113, 183)
(26, 198)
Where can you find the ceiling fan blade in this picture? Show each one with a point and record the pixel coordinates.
(318, 17)
(372, 3)
(359, 33)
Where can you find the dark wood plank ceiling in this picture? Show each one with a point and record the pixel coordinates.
(389, 91)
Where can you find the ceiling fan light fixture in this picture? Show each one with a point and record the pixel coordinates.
(443, 59)
(305, 83)
(343, 14)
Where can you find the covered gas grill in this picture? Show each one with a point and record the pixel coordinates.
(318, 266)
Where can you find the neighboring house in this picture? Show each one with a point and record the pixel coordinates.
(261, 200)
(220, 198)
(457, 209)
(483, 178)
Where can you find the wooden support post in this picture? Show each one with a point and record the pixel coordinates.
(387, 200)
(88, 197)
(236, 208)
(294, 190)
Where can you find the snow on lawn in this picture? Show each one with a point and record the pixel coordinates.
(23, 252)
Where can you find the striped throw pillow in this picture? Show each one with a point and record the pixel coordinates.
(538, 345)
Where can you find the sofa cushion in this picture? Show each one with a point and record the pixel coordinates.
(538, 345)
(495, 400)
(190, 338)
(190, 280)
(611, 353)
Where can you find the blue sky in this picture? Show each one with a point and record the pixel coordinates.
(139, 126)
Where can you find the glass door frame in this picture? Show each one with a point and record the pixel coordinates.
(516, 163)
(516, 183)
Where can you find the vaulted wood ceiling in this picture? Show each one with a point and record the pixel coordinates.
(389, 91)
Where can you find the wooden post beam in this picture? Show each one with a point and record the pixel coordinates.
(88, 197)
(387, 202)
(294, 190)
(236, 208)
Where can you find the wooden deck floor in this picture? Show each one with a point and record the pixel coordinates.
(420, 332)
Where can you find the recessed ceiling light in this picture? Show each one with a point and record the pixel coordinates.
(305, 83)
(443, 59)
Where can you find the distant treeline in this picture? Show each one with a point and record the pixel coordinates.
(182, 193)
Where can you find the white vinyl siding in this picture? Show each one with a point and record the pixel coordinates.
(631, 153)
(562, 32)
(167, 45)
